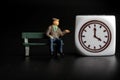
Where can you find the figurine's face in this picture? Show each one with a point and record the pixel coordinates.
(56, 22)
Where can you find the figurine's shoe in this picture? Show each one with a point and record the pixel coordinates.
(51, 54)
(62, 54)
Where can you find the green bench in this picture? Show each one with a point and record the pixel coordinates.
(33, 35)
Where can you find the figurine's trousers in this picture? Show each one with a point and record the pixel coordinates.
(58, 44)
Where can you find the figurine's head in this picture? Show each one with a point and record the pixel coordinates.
(55, 21)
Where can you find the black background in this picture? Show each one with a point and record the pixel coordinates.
(36, 15)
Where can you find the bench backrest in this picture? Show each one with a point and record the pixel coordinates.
(34, 35)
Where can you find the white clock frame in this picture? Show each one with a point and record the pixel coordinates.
(83, 21)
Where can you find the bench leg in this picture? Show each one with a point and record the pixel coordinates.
(27, 51)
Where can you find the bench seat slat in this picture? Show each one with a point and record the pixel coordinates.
(33, 35)
(28, 44)
(35, 44)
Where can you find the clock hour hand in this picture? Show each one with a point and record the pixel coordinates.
(98, 38)
(95, 34)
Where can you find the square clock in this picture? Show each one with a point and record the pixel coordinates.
(95, 35)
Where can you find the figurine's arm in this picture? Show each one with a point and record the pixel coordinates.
(62, 33)
(48, 32)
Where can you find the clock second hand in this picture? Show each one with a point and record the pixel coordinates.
(95, 34)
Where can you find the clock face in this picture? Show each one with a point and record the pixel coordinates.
(94, 36)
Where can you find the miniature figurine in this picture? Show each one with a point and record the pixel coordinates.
(55, 34)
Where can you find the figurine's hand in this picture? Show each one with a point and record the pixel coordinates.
(67, 31)
(51, 37)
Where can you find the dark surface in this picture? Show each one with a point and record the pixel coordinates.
(71, 67)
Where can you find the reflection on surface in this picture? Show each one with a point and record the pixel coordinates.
(71, 67)
(97, 67)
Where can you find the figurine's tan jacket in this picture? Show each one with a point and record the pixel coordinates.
(54, 34)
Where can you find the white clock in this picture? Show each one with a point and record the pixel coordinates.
(95, 35)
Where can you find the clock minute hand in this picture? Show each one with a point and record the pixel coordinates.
(94, 32)
(95, 35)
